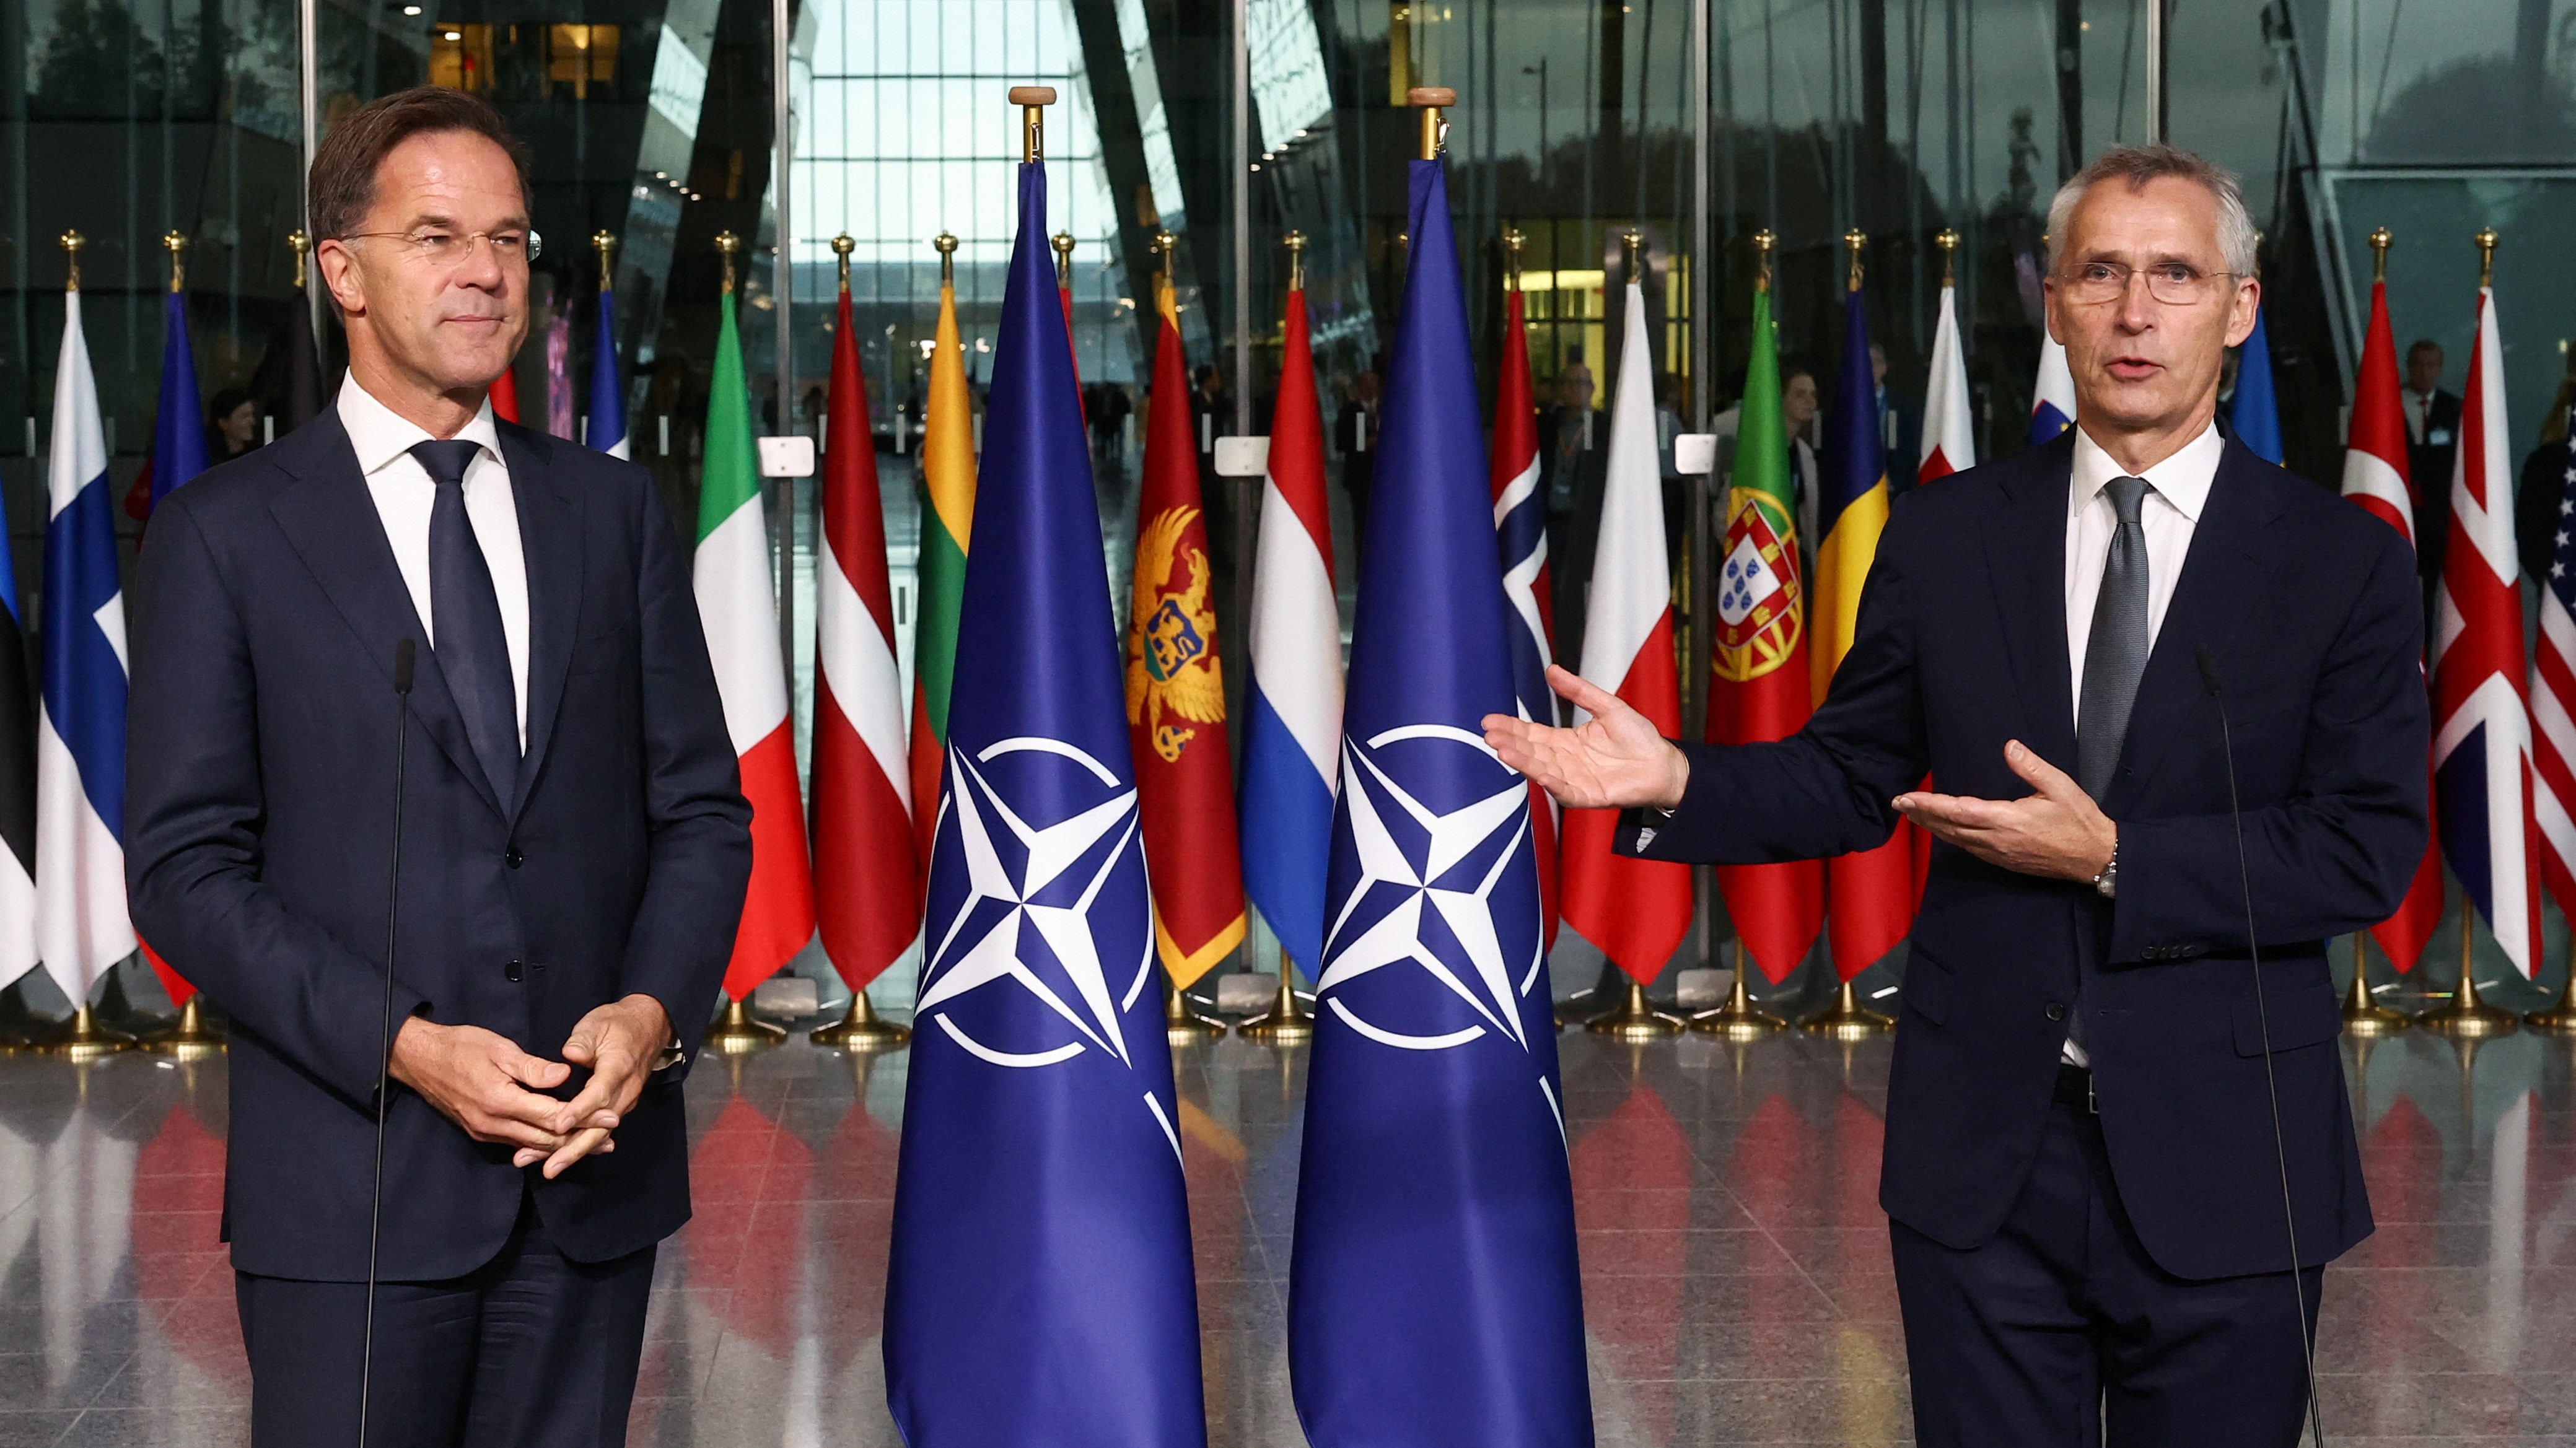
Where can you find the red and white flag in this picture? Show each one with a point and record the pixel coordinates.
(867, 872)
(2482, 767)
(2374, 476)
(1949, 428)
(1636, 911)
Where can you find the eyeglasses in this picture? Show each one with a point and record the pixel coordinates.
(442, 248)
(2173, 283)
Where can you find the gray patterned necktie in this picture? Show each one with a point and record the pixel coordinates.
(2117, 653)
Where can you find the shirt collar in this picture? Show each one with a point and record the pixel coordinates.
(379, 435)
(2182, 480)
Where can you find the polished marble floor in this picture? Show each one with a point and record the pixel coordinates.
(1735, 1262)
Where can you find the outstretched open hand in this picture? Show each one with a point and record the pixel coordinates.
(2058, 831)
(1615, 759)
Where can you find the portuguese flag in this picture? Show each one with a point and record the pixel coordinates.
(947, 517)
(740, 613)
(1759, 690)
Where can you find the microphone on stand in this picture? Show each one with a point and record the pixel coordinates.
(2263, 1021)
(403, 652)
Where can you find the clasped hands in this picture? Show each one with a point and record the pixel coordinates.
(1617, 759)
(484, 1083)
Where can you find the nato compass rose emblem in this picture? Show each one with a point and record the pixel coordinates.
(1025, 924)
(1425, 897)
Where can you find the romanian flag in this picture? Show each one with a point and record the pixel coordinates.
(1759, 688)
(947, 517)
(1176, 693)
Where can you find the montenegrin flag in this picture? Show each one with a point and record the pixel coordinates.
(1869, 894)
(2374, 476)
(1292, 737)
(1039, 1289)
(2481, 726)
(947, 519)
(1176, 693)
(1635, 911)
(867, 871)
(2052, 405)
(1433, 1291)
(81, 923)
(1520, 531)
(741, 618)
(1949, 427)
(1759, 690)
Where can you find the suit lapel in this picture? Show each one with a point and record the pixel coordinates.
(2026, 559)
(550, 536)
(331, 522)
(2222, 576)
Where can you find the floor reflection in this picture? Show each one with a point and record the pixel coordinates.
(1735, 1264)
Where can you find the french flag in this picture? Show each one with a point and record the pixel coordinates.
(82, 927)
(2482, 765)
(1292, 743)
(607, 394)
(2052, 399)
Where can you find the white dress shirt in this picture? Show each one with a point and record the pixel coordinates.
(2177, 491)
(404, 494)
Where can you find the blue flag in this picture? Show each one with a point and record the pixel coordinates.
(607, 395)
(2254, 415)
(1040, 1289)
(179, 431)
(1433, 1295)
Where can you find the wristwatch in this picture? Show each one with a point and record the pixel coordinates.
(2107, 883)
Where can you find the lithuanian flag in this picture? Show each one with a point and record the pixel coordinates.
(947, 517)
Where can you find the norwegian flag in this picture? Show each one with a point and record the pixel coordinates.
(2482, 754)
(2553, 720)
(2374, 476)
(1520, 531)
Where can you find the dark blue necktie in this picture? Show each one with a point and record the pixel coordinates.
(465, 620)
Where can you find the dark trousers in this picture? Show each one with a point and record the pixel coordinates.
(533, 1350)
(2061, 1322)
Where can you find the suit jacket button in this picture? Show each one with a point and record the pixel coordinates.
(512, 973)
(512, 857)
(2056, 1011)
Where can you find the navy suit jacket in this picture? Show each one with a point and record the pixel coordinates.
(2309, 606)
(258, 820)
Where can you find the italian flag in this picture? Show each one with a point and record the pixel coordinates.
(741, 618)
(947, 516)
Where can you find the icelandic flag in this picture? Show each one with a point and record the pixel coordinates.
(1433, 1295)
(2052, 403)
(607, 395)
(1292, 735)
(81, 925)
(2254, 413)
(1040, 1289)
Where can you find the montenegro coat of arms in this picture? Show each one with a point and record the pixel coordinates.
(1172, 669)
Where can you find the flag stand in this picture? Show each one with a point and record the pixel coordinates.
(190, 1040)
(2467, 1016)
(861, 1030)
(2363, 1015)
(83, 1039)
(739, 1034)
(2560, 1019)
(1183, 1026)
(1287, 1022)
(1848, 1019)
(1737, 1020)
(1634, 1020)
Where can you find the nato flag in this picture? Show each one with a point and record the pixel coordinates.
(1433, 1297)
(1040, 1288)
(2254, 414)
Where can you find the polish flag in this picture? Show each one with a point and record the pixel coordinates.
(1636, 911)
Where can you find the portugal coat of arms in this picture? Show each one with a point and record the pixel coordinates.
(1171, 658)
(1758, 588)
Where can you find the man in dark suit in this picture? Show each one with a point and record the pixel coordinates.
(2082, 1173)
(575, 847)
(2432, 442)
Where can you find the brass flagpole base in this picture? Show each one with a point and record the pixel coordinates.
(1737, 1020)
(1633, 1020)
(1848, 1019)
(1579, 1009)
(2560, 1019)
(739, 1035)
(2466, 1016)
(861, 1029)
(83, 1039)
(190, 1040)
(1285, 1023)
(2363, 1015)
(1183, 1026)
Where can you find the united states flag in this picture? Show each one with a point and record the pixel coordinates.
(2553, 706)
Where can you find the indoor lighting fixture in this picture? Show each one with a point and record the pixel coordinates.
(411, 10)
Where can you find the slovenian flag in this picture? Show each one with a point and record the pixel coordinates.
(1949, 427)
(1040, 1287)
(1433, 1291)
(2052, 406)
(1292, 739)
(607, 394)
(82, 927)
